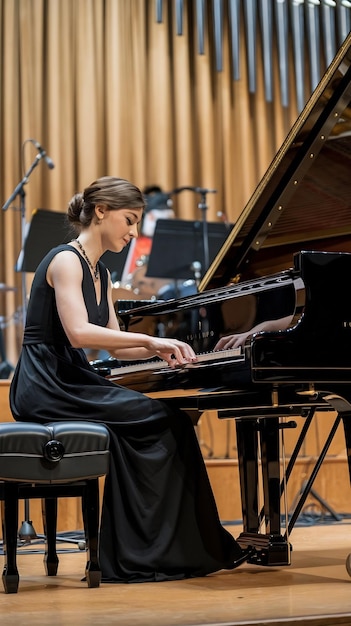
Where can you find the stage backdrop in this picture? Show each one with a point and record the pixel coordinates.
(172, 93)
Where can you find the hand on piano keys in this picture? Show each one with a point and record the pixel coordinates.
(114, 368)
(155, 374)
(238, 341)
(174, 352)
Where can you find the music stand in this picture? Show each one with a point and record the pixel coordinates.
(177, 248)
(49, 229)
(115, 262)
(46, 230)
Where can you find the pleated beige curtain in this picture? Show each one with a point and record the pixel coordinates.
(107, 90)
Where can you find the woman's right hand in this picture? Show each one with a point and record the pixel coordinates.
(173, 351)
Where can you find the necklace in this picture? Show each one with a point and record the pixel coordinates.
(95, 269)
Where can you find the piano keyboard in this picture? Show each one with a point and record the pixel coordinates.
(159, 365)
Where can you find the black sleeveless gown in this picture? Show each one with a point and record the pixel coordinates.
(159, 518)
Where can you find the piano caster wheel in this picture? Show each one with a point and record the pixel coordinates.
(348, 564)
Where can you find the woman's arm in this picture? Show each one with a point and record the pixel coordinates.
(65, 275)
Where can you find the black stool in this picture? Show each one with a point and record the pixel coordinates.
(58, 459)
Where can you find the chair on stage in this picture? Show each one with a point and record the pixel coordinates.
(58, 459)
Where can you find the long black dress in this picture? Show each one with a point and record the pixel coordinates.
(159, 517)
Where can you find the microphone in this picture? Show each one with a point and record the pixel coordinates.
(43, 154)
(204, 191)
(179, 189)
(195, 189)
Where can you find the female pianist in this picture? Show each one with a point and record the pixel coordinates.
(159, 518)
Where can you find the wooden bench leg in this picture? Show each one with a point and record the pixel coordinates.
(90, 510)
(9, 514)
(49, 514)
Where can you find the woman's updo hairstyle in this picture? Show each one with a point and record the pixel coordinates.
(115, 193)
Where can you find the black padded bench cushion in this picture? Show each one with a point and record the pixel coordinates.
(56, 452)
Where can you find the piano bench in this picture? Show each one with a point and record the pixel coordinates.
(50, 461)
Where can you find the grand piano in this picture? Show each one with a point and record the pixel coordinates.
(288, 254)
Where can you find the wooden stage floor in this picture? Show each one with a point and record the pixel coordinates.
(315, 590)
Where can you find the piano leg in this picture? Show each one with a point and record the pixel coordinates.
(270, 460)
(247, 444)
(346, 419)
(271, 548)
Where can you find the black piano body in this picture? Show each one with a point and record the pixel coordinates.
(289, 253)
(283, 374)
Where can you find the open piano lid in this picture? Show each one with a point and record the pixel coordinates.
(303, 202)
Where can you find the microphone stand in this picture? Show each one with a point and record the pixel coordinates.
(202, 205)
(19, 191)
(196, 269)
(26, 532)
(203, 208)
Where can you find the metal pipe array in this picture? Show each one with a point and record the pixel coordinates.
(314, 29)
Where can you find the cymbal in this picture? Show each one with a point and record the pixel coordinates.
(4, 287)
